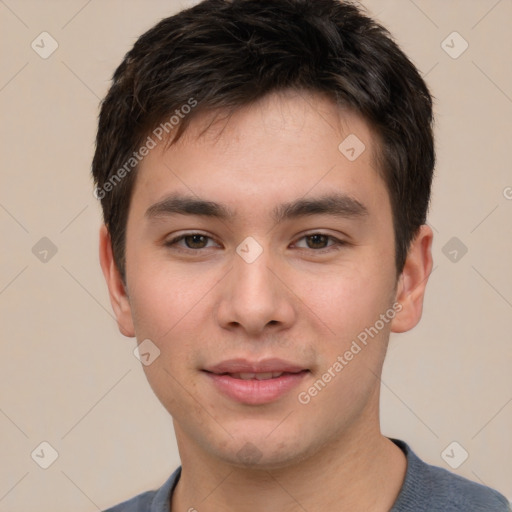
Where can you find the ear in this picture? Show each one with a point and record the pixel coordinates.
(118, 296)
(413, 281)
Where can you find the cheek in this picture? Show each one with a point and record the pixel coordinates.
(166, 299)
(350, 299)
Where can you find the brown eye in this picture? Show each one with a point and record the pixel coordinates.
(195, 241)
(190, 241)
(318, 241)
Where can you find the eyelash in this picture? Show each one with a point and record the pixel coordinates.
(337, 245)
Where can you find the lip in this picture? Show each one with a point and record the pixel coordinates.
(253, 391)
(263, 366)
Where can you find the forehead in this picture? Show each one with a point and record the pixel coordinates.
(285, 146)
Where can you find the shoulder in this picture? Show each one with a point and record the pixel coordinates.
(459, 493)
(151, 501)
(429, 488)
(138, 503)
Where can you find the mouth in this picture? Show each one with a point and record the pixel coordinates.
(246, 369)
(255, 383)
(258, 376)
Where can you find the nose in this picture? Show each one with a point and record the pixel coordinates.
(255, 297)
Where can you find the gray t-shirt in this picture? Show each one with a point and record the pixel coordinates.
(426, 488)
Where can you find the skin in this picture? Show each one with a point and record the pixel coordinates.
(293, 302)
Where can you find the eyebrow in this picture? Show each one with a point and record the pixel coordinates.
(336, 205)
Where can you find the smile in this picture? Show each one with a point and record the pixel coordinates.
(257, 376)
(255, 387)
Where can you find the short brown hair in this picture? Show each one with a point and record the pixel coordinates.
(225, 54)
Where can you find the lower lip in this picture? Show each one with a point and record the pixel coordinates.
(254, 392)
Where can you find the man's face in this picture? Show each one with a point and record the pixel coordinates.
(261, 291)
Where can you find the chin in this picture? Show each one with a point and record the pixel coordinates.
(263, 451)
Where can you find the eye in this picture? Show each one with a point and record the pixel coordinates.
(192, 241)
(319, 242)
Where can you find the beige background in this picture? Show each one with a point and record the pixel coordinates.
(69, 378)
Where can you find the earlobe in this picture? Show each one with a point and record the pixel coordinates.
(413, 281)
(116, 288)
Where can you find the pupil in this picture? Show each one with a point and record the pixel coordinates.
(196, 239)
(318, 239)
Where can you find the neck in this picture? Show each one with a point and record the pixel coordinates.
(362, 470)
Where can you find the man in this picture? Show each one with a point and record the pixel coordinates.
(264, 169)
